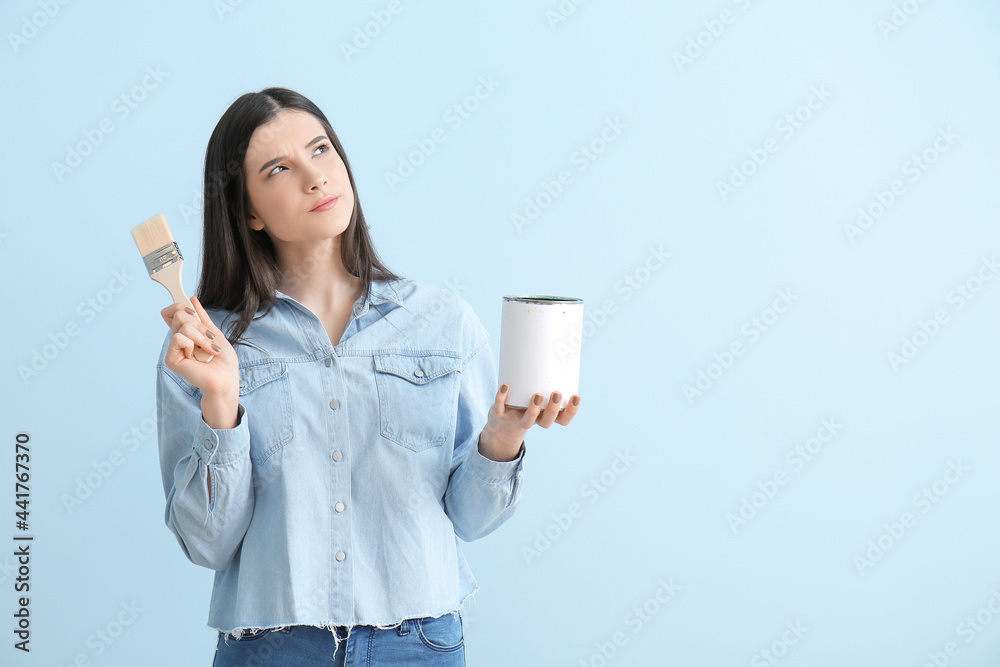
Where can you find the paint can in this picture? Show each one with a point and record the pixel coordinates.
(540, 342)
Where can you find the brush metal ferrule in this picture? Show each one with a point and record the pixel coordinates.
(162, 257)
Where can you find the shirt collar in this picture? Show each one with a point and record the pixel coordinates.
(381, 291)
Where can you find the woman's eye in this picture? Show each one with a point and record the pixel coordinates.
(325, 147)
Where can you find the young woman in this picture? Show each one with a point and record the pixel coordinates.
(349, 428)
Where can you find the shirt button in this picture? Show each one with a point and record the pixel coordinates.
(341, 555)
(334, 404)
(339, 507)
(208, 443)
(243, 383)
(329, 362)
(337, 455)
(419, 373)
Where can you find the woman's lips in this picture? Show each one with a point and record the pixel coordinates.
(326, 206)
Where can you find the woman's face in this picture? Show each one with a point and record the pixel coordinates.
(292, 167)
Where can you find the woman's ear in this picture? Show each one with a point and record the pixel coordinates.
(255, 222)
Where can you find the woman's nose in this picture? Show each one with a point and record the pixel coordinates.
(314, 177)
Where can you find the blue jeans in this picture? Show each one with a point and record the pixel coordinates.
(421, 641)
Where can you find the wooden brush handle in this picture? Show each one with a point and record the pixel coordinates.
(170, 277)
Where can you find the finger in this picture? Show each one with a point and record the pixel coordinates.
(207, 324)
(499, 409)
(167, 313)
(195, 333)
(202, 315)
(534, 408)
(206, 320)
(193, 307)
(183, 344)
(177, 314)
(551, 411)
(566, 416)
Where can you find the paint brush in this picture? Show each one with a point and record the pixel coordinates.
(164, 261)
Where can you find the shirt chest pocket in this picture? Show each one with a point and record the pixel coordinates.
(267, 397)
(417, 398)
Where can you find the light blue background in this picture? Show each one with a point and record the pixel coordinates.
(662, 517)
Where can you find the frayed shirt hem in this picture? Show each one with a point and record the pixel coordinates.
(237, 633)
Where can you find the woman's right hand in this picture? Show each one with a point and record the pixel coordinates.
(221, 376)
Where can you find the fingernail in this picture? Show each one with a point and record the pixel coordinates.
(537, 400)
(216, 347)
(556, 397)
(190, 310)
(211, 336)
(576, 401)
(503, 388)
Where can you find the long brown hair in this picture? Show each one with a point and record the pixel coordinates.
(239, 268)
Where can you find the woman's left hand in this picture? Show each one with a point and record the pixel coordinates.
(505, 426)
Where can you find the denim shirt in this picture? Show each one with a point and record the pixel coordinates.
(339, 496)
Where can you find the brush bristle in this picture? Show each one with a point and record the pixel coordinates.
(152, 234)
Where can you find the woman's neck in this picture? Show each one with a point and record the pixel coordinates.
(318, 279)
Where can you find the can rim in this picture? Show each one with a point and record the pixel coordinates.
(541, 298)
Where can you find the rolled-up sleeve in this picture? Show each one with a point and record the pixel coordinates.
(209, 529)
(482, 494)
